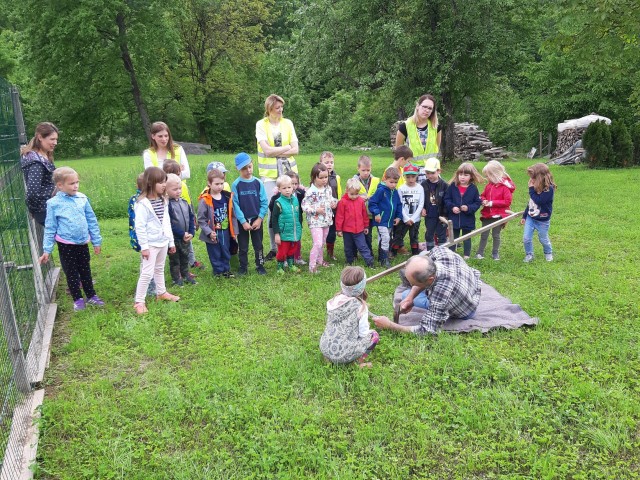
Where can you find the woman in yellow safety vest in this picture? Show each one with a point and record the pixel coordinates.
(277, 145)
(421, 132)
(162, 148)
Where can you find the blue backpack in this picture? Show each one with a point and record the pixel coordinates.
(133, 238)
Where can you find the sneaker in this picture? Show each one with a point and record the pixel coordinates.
(294, 269)
(313, 270)
(96, 301)
(190, 280)
(78, 305)
(197, 264)
(280, 271)
(260, 269)
(178, 283)
(479, 257)
(385, 263)
(325, 264)
(496, 257)
(528, 258)
(270, 256)
(548, 257)
(300, 261)
(168, 296)
(228, 275)
(242, 271)
(466, 257)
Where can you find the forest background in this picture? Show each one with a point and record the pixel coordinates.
(102, 70)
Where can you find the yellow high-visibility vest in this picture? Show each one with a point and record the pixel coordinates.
(268, 166)
(154, 155)
(413, 138)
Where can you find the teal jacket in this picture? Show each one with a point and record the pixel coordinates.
(286, 218)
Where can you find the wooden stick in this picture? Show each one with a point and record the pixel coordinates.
(456, 241)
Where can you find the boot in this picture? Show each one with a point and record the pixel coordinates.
(280, 268)
(330, 251)
(292, 266)
(383, 257)
(414, 249)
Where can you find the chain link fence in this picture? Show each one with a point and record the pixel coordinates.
(26, 289)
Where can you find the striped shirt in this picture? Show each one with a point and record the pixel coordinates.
(455, 293)
(158, 208)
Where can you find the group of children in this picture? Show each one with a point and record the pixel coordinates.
(162, 220)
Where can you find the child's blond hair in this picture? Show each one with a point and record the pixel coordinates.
(60, 174)
(283, 180)
(494, 171)
(542, 178)
(353, 184)
(173, 179)
(364, 161)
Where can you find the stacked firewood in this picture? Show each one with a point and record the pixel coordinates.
(567, 139)
(471, 143)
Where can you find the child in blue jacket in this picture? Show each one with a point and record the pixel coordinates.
(462, 201)
(386, 208)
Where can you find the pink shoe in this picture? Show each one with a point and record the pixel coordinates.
(169, 297)
(325, 264)
(140, 308)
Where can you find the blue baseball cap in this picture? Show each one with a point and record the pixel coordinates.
(242, 160)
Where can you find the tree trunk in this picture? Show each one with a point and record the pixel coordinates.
(128, 66)
(448, 136)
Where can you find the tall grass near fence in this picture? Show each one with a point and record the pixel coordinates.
(229, 382)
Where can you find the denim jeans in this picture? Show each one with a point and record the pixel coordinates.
(421, 300)
(530, 225)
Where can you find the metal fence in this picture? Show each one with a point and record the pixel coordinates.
(26, 290)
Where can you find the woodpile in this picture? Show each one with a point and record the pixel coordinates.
(569, 149)
(471, 143)
(567, 139)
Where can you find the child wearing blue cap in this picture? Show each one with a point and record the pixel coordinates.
(250, 206)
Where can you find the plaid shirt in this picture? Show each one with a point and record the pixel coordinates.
(455, 293)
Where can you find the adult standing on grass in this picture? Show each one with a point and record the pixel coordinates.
(277, 144)
(452, 288)
(37, 165)
(162, 147)
(421, 132)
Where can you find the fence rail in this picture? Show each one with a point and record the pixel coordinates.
(26, 290)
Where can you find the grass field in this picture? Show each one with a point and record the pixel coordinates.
(229, 382)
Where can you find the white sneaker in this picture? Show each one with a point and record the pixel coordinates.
(479, 257)
(300, 261)
(548, 257)
(528, 258)
(496, 257)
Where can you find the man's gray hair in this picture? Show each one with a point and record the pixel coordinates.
(421, 275)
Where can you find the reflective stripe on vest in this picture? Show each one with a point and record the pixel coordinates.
(268, 166)
(154, 155)
(414, 143)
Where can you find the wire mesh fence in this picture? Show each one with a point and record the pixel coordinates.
(25, 291)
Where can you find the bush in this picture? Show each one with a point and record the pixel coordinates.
(622, 146)
(635, 138)
(597, 143)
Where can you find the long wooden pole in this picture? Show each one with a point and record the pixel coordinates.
(456, 241)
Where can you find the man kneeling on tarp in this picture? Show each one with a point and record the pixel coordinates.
(443, 284)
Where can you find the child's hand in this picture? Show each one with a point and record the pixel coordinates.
(464, 208)
(145, 254)
(409, 222)
(522, 221)
(187, 236)
(44, 258)
(366, 231)
(213, 236)
(455, 210)
(382, 322)
(172, 250)
(396, 221)
(334, 203)
(277, 239)
(378, 218)
(257, 224)
(320, 210)
(339, 234)
(97, 250)
(246, 227)
(423, 213)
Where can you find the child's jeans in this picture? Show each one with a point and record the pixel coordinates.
(318, 236)
(356, 242)
(421, 300)
(399, 232)
(152, 267)
(495, 234)
(435, 229)
(531, 225)
(220, 253)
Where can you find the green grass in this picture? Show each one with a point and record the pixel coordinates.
(229, 382)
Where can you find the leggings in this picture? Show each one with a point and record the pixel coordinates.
(318, 236)
(152, 267)
(74, 260)
(495, 234)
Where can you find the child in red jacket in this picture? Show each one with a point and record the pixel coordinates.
(352, 223)
(496, 200)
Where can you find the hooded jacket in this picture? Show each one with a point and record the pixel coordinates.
(38, 176)
(500, 195)
(386, 203)
(352, 215)
(206, 215)
(341, 341)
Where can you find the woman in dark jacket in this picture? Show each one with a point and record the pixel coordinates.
(37, 165)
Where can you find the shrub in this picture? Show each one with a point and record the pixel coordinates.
(597, 143)
(622, 146)
(635, 138)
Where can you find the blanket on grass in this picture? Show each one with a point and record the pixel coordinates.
(494, 311)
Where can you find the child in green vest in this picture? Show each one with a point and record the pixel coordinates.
(286, 224)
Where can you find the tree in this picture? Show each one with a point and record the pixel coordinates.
(622, 146)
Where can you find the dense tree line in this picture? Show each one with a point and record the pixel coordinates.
(347, 69)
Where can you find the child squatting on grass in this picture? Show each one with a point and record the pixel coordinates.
(347, 337)
(70, 221)
(153, 229)
(537, 215)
